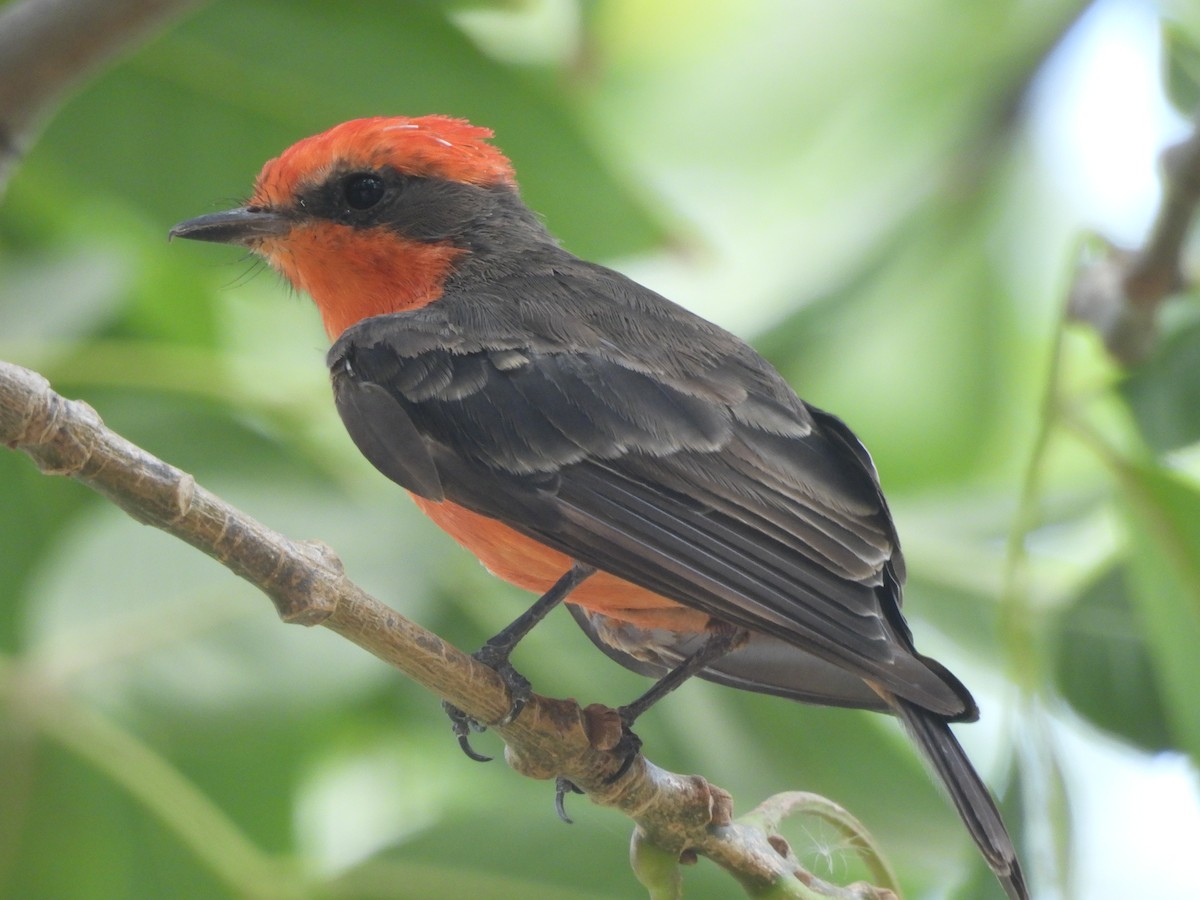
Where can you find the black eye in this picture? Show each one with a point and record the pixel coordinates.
(363, 191)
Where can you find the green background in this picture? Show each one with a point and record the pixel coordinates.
(852, 186)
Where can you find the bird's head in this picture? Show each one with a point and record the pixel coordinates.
(371, 216)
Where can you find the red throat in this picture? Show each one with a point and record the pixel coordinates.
(354, 274)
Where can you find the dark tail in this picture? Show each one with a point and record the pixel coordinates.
(971, 797)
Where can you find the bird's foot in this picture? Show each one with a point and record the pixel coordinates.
(608, 729)
(519, 692)
(495, 653)
(627, 747)
(612, 730)
(462, 725)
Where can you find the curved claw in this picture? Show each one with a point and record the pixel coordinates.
(462, 725)
(631, 745)
(464, 742)
(511, 715)
(519, 688)
(563, 786)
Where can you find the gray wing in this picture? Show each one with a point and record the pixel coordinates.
(694, 471)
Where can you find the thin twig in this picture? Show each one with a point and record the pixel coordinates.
(771, 813)
(1120, 294)
(49, 46)
(306, 582)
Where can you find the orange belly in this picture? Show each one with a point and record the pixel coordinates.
(522, 561)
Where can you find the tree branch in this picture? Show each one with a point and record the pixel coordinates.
(1120, 294)
(49, 46)
(676, 813)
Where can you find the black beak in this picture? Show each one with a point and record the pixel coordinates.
(245, 225)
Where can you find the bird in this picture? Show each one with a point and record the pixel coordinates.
(590, 440)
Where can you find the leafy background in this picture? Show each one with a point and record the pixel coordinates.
(866, 190)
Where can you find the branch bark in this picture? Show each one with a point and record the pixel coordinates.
(678, 814)
(1120, 294)
(49, 46)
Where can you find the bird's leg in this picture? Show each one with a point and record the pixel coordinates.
(495, 653)
(721, 640)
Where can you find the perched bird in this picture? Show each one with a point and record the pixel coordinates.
(585, 437)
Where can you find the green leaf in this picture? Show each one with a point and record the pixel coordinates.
(1103, 666)
(1164, 394)
(1164, 566)
(1181, 58)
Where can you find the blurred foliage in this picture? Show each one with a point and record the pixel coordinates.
(854, 186)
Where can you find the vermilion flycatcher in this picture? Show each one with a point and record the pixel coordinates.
(570, 427)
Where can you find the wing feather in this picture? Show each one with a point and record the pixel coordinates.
(721, 490)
